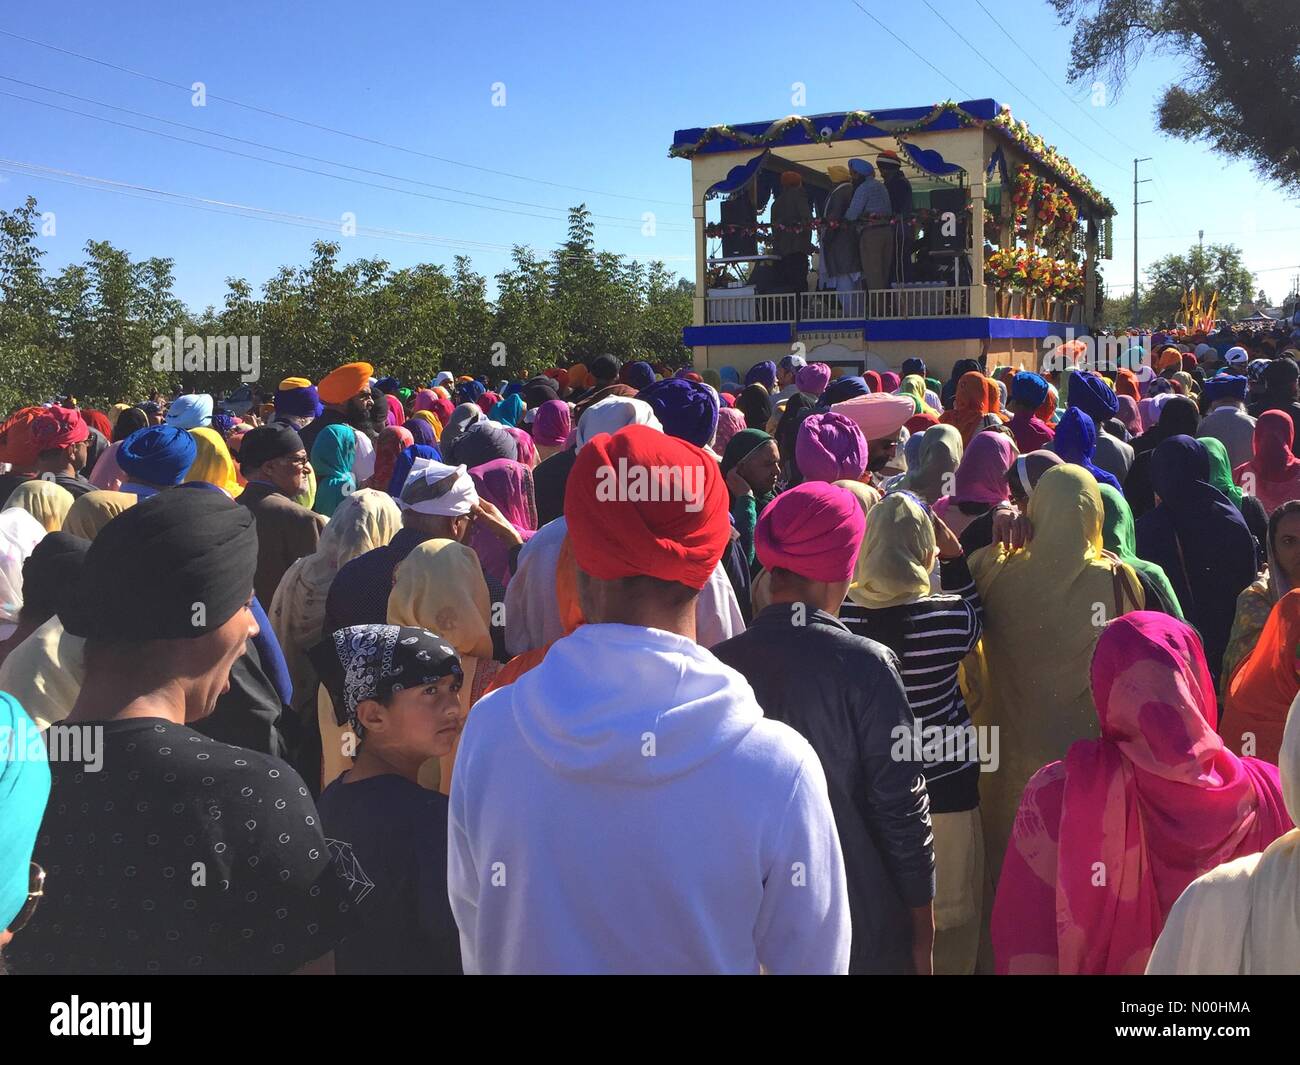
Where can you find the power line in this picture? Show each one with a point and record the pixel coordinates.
(294, 166)
(240, 210)
(329, 129)
(997, 70)
(300, 155)
(965, 95)
(1075, 103)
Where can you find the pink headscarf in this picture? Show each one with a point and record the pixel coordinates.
(1129, 415)
(396, 412)
(508, 486)
(1149, 410)
(730, 422)
(1155, 802)
(890, 381)
(423, 400)
(441, 409)
(553, 422)
(525, 448)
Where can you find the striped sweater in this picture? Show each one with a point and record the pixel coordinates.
(930, 638)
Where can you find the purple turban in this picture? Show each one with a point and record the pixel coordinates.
(813, 530)
(1093, 397)
(813, 378)
(639, 375)
(762, 373)
(686, 409)
(830, 447)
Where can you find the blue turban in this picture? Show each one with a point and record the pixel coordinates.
(1076, 441)
(298, 402)
(861, 166)
(512, 389)
(1225, 386)
(159, 455)
(405, 460)
(1093, 396)
(1028, 388)
(388, 385)
(762, 373)
(913, 366)
(190, 412)
(640, 375)
(224, 423)
(24, 790)
(686, 409)
(469, 391)
(729, 375)
(841, 389)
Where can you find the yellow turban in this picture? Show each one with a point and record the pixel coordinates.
(838, 173)
(339, 386)
(293, 382)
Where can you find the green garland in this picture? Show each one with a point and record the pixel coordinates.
(1015, 131)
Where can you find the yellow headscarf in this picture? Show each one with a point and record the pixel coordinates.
(431, 418)
(212, 463)
(96, 509)
(896, 556)
(913, 387)
(440, 587)
(46, 501)
(1044, 608)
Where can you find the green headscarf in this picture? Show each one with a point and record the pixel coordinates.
(1221, 470)
(1119, 537)
(741, 446)
(331, 458)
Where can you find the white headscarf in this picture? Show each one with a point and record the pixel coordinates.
(611, 414)
(19, 535)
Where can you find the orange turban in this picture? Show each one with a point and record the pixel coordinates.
(339, 386)
(578, 377)
(666, 519)
(16, 444)
(1170, 358)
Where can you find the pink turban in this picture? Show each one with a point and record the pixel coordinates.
(396, 415)
(879, 415)
(813, 530)
(423, 400)
(553, 423)
(813, 378)
(730, 422)
(830, 447)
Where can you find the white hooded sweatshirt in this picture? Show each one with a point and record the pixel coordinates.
(624, 807)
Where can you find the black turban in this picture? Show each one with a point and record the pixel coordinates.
(605, 367)
(51, 573)
(182, 561)
(539, 390)
(267, 443)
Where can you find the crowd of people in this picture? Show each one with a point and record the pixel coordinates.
(626, 669)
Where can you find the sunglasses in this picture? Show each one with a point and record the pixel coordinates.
(35, 890)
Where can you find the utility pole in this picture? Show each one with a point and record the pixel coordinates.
(1136, 204)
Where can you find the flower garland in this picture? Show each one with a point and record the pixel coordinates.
(1021, 270)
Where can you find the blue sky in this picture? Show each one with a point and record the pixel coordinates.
(592, 93)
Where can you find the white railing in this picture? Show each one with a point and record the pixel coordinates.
(919, 302)
(938, 301)
(779, 307)
(832, 306)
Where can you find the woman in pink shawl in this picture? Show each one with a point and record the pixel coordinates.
(551, 427)
(1106, 841)
(424, 400)
(1273, 474)
(508, 486)
(527, 450)
(889, 381)
(396, 412)
(980, 482)
(730, 422)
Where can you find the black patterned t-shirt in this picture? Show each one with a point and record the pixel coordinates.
(180, 854)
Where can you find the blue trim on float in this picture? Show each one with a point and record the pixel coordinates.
(984, 109)
(832, 325)
(739, 333)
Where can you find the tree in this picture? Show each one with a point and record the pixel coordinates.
(1241, 89)
(1215, 267)
(31, 366)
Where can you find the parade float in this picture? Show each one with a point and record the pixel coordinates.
(1004, 238)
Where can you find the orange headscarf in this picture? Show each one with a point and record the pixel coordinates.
(566, 595)
(1126, 383)
(995, 398)
(1170, 359)
(578, 377)
(970, 404)
(1047, 411)
(1265, 683)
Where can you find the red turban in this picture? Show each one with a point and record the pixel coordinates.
(339, 386)
(16, 445)
(58, 427)
(919, 423)
(813, 530)
(873, 380)
(99, 422)
(619, 530)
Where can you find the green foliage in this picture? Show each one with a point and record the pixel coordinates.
(89, 330)
(1206, 269)
(1239, 89)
